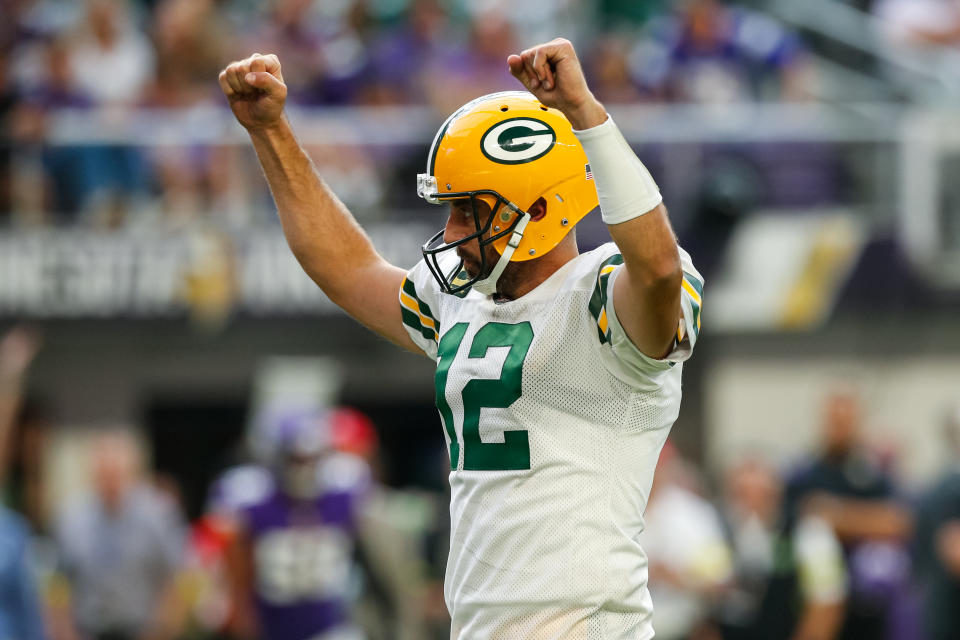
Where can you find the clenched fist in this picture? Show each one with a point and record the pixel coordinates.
(255, 89)
(552, 73)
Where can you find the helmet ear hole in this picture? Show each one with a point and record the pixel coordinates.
(538, 210)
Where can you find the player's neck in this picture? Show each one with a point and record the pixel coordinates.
(520, 278)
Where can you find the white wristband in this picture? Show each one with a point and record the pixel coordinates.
(624, 186)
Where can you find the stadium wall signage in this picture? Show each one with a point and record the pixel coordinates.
(69, 274)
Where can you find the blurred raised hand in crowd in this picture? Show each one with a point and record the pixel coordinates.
(18, 347)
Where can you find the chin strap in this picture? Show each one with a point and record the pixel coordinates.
(488, 286)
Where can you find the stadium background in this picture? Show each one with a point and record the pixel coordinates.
(806, 151)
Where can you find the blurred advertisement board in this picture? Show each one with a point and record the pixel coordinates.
(203, 274)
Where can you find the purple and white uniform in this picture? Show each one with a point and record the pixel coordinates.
(303, 552)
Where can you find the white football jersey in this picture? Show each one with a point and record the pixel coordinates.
(554, 422)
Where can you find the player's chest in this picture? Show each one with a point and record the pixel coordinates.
(494, 350)
(300, 563)
(493, 342)
(492, 370)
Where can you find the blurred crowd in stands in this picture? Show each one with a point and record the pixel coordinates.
(117, 55)
(300, 537)
(103, 60)
(114, 57)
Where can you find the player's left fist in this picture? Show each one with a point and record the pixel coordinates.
(552, 72)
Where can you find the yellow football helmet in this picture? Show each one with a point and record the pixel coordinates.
(508, 150)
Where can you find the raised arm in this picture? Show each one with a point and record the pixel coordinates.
(323, 235)
(17, 350)
(647, 294)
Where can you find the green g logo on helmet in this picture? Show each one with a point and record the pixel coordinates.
(517, 140)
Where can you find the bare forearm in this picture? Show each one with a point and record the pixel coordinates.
(647, 294)
(854, 520)
(242, 622)
(649, 249)
(321, 232)
(819, 622)
(648, 245)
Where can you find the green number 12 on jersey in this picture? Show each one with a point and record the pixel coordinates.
(514, 452)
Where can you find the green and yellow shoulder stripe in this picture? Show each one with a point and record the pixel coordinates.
(598, 299)
(692, 291)
(416, 313)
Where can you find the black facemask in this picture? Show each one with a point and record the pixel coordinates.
(457, 280)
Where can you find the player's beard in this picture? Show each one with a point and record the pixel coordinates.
(471, 259)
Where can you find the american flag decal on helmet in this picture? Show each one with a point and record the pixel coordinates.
(589, 172)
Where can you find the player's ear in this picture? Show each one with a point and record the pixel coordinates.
(537, 210)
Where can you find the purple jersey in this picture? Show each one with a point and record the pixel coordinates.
(303, 552)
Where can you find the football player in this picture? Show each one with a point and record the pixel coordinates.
(558, 373)
(295, 544)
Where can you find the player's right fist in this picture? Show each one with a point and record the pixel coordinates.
(254, 86)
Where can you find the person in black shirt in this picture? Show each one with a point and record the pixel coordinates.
(844, 486)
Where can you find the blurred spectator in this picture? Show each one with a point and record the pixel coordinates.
(20, 613)
(402, 54)
(191, 45)
(937, 544)
(788, 583)
(352, 174)
(478, 68)
(193, 187)
(710, 53)
(919, 24)
(324, 58)
(55, 86)
(68, 180)
(845, 487)
(920, 34)
(607, 65)
(112, 61)
(542, 20)
(121, 549)
(687, 551)
(8, 101)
